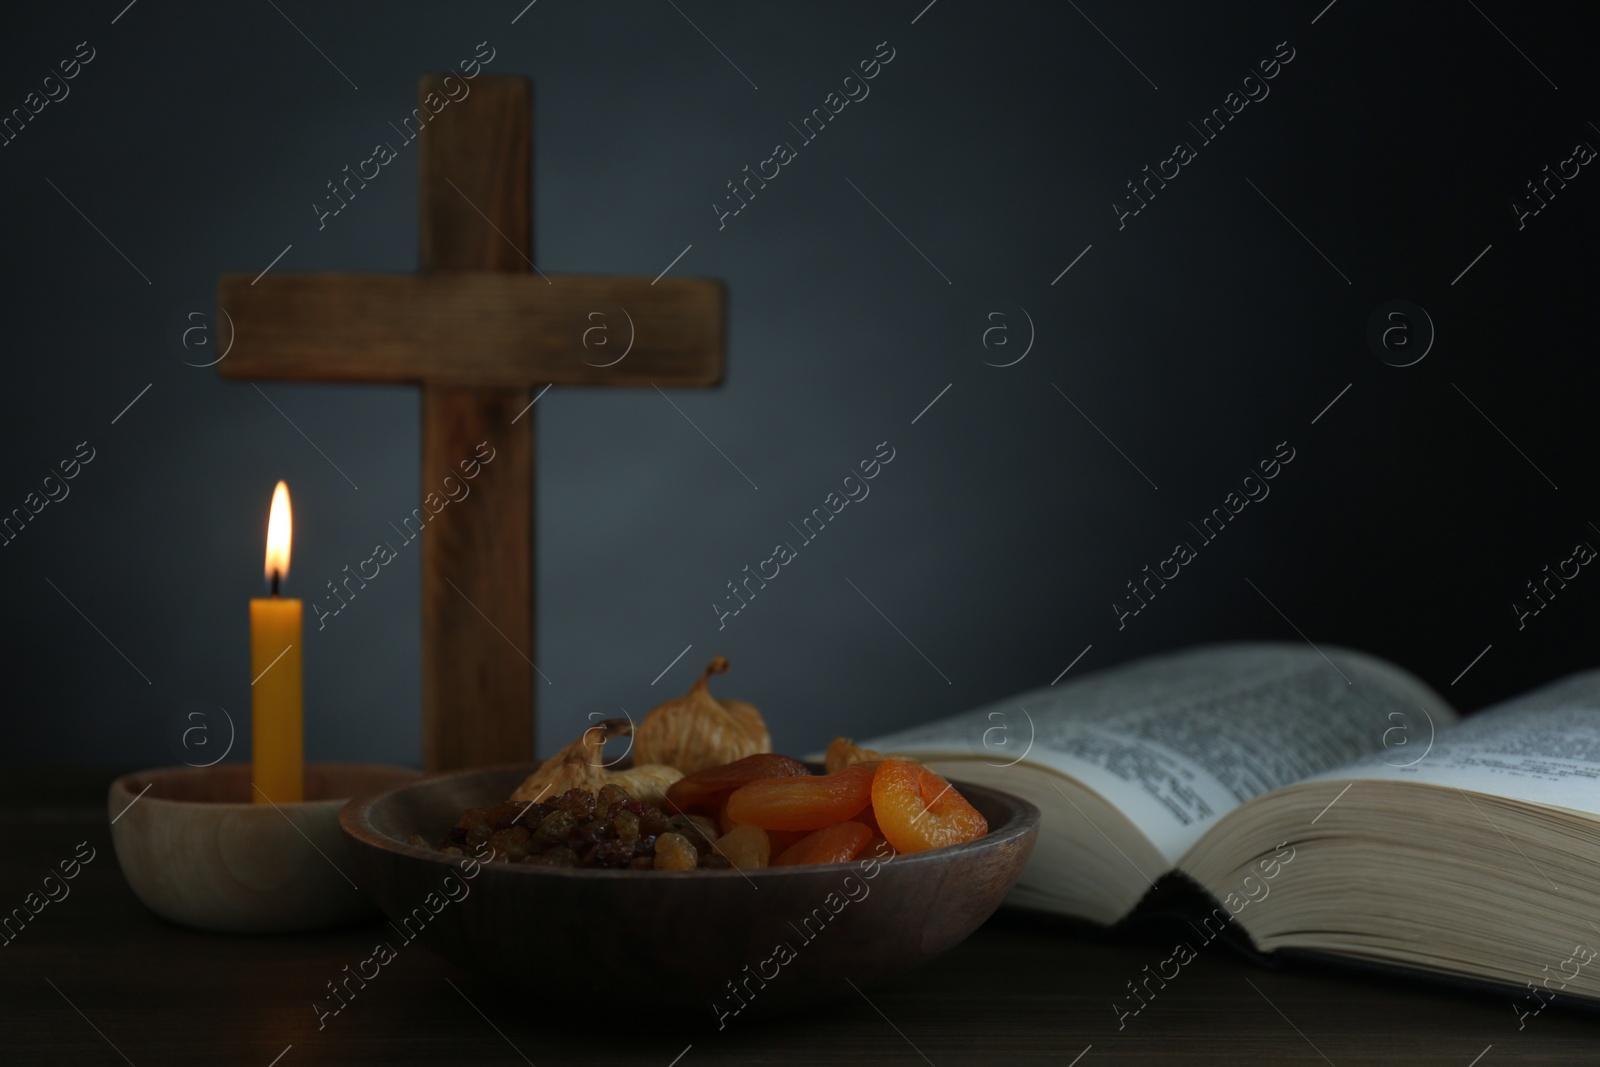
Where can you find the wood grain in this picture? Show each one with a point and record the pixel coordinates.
(478, 605)
(475, 177)
(477, 556)
(199, 851)
(473, 328)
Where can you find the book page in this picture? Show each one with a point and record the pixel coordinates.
(1542, 747)
(1178, 741)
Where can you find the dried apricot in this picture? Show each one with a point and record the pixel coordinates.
(704, 791)
(782, 839)
(802, 803)
(877, 849)
(839, 843)
(918, 810)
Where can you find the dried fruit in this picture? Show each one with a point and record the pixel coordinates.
(706, 828)
(648, 782)
(578, 803)
(696, 731)
(782, 839)
(705, 791)
(802, 803)
(695, 831)
(477, 825)
(749, 718)
(653, 822)
(918, 810)
(578, 766)
(675, 853)
(512, 844)
(627, 824)
(843, 752)
(580, 828)
(838, 843)
(745, 846)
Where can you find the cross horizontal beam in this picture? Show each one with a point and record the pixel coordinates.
(473, 329)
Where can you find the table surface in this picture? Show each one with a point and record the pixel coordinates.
(97, 979)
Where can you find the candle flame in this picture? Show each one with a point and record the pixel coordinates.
(279, 529)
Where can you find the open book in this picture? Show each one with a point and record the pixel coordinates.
(1328, 803)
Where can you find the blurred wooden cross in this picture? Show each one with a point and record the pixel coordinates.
(478, 329)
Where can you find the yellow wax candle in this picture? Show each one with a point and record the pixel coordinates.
(276, 693)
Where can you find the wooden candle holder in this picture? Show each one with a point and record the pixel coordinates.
(199, 852)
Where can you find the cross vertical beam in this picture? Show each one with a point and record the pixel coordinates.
(476, 173)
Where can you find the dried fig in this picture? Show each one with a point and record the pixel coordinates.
(750, 719)
(696, 731)
(648, 782)
(578, 766)
(844, 753)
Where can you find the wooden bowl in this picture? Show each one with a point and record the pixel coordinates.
(199, 852)
(703, 944)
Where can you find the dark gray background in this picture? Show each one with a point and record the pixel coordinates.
(1196, 339)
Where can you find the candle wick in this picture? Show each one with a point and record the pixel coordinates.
(275, 578)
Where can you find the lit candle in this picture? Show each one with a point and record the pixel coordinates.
(276, 693)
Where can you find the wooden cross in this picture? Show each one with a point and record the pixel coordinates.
(477, 329)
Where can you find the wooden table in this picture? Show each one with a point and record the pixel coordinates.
(96, 979)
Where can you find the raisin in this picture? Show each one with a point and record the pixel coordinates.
(534, 814)
(685, 826)
(579, 803)
(512, 843)
(612, 854)
(627, 824)
(675, 853)
(581, 840)
(654, 821)
(610, 795)
(745, 846)
(556, 826)
(560, 856)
